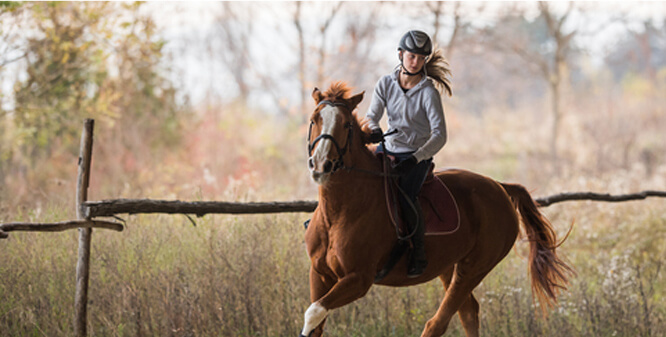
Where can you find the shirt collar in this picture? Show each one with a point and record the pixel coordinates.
(418, 86)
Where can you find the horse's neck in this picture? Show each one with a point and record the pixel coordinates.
(360, 157)
(353, 188)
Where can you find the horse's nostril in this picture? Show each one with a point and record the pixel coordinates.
(328, 166)
(311, 163)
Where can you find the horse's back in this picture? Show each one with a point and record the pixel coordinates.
(465, 184)
(483, 201)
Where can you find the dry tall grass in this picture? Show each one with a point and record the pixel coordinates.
(247, 275)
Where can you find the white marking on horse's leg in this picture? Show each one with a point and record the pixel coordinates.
(313, 317)
(328, 114)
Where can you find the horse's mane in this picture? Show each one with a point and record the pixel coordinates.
(341, 90)
(338, 90)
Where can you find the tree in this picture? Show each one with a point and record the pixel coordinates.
(88, 60)
(555, 66)
(9, 32)
(546, 45)
(351, 59)
(459, 23)
(324, 47)
(301, 55)
(641, 51)
(231, 40)
(64, 66)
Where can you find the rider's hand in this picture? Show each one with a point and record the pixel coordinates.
(376, 136)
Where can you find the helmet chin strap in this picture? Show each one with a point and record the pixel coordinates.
(404, 71)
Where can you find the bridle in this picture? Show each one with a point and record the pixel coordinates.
(338, 162)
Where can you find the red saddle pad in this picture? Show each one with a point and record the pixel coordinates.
(439, 207)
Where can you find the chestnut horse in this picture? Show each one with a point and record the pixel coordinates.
(351, 236)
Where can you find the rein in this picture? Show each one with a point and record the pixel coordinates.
(339, 162)
(390, 184)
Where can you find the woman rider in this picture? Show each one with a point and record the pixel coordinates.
(411, 97)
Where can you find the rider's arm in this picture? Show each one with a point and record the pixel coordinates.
(438, 135)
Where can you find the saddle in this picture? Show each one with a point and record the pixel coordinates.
(440, 209)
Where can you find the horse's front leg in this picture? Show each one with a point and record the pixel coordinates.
(346, 290)
(319, 286)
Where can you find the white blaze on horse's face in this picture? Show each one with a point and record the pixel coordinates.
(320, 164)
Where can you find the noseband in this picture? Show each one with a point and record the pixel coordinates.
(337, 163)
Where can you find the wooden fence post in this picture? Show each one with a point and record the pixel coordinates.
(85, 234)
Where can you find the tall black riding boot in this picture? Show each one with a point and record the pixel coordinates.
(417, 260)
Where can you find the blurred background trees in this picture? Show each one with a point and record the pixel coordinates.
(220, 96)
(82, 60)
(197, 100)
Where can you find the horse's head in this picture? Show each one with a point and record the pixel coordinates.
(331, 130)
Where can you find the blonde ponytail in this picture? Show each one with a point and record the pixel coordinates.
(437, 68)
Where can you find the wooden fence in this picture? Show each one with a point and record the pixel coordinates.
(86, 211)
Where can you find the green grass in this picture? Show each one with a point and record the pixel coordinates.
(247, 276)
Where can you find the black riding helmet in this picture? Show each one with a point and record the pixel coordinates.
(417, 42)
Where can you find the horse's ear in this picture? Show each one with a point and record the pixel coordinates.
(316, 94)
(356, 99)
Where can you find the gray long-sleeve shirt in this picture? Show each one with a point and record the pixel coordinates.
(417, 115)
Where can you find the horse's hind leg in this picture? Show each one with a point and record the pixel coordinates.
(469, 316)
(469, 310)
(458, 297)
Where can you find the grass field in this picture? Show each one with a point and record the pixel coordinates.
(247, 276)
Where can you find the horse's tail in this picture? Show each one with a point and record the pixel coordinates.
(547, 271)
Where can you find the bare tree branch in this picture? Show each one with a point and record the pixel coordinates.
(460, 22)
(301, 55)
(324, 35)
(233, 33)
(6, 62)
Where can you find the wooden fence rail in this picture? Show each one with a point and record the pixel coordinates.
(113, 207)
(87, 210)
(105, 208)
(579, 196)
(199, 208)
(59, 226)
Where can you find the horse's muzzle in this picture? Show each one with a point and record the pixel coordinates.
(327, 167)
(320, 176)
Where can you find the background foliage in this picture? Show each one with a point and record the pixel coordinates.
(552, 96)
